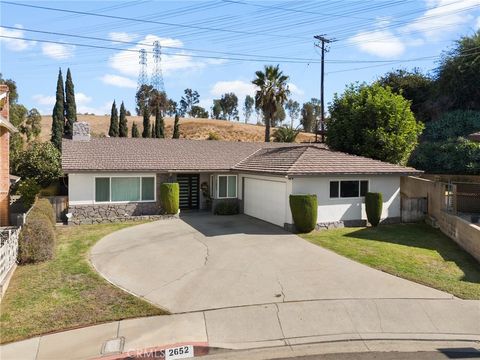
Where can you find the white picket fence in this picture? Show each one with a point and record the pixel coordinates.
(8, 251)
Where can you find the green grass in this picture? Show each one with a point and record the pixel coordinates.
(66, 292)
(415, 252)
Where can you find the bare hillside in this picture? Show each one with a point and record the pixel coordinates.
(199, 129)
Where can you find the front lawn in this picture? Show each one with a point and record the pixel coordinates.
(66, 292)
(415, 252)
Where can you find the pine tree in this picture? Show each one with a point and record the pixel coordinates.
(159, 124)
(122, 127)
(146, 123)
(135, 133)
(58, 115)
(70, 105)
(176, 128)
(113, 131)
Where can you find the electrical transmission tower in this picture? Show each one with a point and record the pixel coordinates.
(142, 74)
(157, 76)
(322, 41)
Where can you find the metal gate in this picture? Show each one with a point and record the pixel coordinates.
(189, 190)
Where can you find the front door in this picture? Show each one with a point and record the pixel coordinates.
(189, 190)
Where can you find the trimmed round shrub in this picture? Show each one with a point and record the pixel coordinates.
(43, 207)
(226, 208)
(37, 240)
(304, 212)
(170, 197)
(28, 190)
(373, 207)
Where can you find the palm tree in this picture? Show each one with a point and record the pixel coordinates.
(273, 91)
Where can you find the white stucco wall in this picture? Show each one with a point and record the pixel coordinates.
(350, 208)
(81, 186)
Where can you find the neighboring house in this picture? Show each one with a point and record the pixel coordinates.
(5, 128)
(120, 177)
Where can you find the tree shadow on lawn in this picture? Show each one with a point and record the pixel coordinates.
(423, 236)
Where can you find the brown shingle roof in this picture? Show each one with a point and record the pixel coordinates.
(129, 154)
(315, 160)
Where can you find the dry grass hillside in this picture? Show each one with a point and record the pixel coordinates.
(198, 129)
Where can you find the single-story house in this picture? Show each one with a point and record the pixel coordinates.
(120, 177)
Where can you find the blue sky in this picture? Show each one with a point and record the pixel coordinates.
(216, 46)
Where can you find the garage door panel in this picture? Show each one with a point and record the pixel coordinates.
(265, 199)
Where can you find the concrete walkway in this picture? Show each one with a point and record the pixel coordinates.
(203, 262)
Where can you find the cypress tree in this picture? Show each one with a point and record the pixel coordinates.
(71, 106)
(58, 115)
(135, 133)
(113, 131)
(176, 128)
(122, 127)
(159, 124)
(146, 123)
(152, 132)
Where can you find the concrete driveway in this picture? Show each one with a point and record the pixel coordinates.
(204, 262)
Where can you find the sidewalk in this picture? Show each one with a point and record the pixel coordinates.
(268, 325)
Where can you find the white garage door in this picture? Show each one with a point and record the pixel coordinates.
(265, 199)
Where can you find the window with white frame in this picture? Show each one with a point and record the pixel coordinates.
(348, 188)
(125, 189)
(226, 186)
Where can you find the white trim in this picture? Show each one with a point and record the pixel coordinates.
(124, 176)
(340, 188)
(218, 186)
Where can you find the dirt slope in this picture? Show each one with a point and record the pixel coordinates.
(189, 128)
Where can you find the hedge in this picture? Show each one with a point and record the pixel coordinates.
(37, 237)
(373, 207)
(170, 198)
(304, 212)
(226, 208)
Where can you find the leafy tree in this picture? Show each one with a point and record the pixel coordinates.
(17, 114)
(189, 99)
(135, 133)
(70, 105)
(285, 134)
(159, 125)
(113, 131)
(32, 126)
(148, 96)
(280, 115)
(293, 108)
(146, 123)
(199, 112)
(413, 86)
(171, 108)
(122, 125)
(273, 91)
(373, 121)
(217, 109)
(452, 125)
(58, 116)
(17, 145)
(308, 117)
(229, 104)
(176, 127)
(248, 107)
(40, 162)
(458, 75)
(12, 89)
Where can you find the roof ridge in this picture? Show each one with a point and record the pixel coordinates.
(248, 157)
(305, 148)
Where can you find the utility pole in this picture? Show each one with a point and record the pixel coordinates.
(322, 41)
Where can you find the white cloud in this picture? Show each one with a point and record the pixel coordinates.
(295, 90)
(239, 87)
(477, 25)
(120, 81)
(83, 102)
(441, 17)
(43, 99)
(58, 51)
(122, 36)
(381, 43)
(15, 44)
(126, 62)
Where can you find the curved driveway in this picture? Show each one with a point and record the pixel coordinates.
(202, 262)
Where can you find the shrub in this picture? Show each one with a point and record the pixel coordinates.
(37, 238)
(170, 198)
(226, 208)
(373, 207)
(28, 190)
(43, 207)
(285, 134)
(212, 135)
(304, 212)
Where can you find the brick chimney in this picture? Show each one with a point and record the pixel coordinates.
(5, 128)
(81, 131)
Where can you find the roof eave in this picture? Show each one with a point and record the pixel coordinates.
(7, 124)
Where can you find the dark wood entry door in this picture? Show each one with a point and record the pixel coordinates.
(189, 190)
